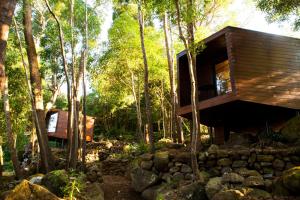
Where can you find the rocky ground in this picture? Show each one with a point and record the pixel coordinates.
(114, 173)
(118, 188)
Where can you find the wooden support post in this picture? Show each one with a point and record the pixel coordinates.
(219, 135)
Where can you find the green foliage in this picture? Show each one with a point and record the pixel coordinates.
(281, 10)
(75, 185)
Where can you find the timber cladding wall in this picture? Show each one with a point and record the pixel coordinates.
(265, 67)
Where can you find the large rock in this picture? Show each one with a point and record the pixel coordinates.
(246, 172)
(36, 179)
(232, 178)
(186, 169)
(242, 194)
(25, 191)
(183, 157)
(254, 181)
(146, 157)
(213, 149)
(291, 180)
(147, 165)
(94, 191)
(239, 163)
(213, 186)
(278, 164)
(161, 160)
(152, 193)
(291, 130)
(230, 194)
(55, 181)
(278, 188)
(194, 191)
(265, 158)
(224, 162)
(253, 193)
(142, 179)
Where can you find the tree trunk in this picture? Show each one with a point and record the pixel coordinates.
(189, 44)
(73, 115)
(36, 82)
(84, 85)
(7, 8)
(55, 88)
(75, 141)
(66, 72)
(11, 137)
(146, 81)
(138, 111)
(29, 87)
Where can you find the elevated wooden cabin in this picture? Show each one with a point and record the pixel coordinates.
(57, 123)
(245, 80)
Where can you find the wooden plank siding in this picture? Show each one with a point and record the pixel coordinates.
(62, 124)
(266, 67)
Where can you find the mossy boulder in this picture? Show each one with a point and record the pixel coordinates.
(229, 194)
(213, 186)
(25, 190)
(254, 193)
(55, 181)
(161, 160)
(291, 180)
(291, 130)
(142, 179)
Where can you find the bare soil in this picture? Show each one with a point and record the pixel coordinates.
(118, 188)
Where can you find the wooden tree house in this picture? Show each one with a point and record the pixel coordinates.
(246, 79)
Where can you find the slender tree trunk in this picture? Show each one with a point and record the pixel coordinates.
(138, 111)
(11, 136)
(146, 81)
(36, 82)
(171, 72)
(66, 72)
(163, 110)
(35, 122)
(7, 8)
(190, 52)
(84, 85)
(175, 118)
(73, 115)
(55, 88)
(77, 103)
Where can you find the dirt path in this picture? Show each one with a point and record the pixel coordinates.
(118, 188)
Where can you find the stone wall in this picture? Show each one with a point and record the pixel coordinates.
(234, 167)
(269, 162)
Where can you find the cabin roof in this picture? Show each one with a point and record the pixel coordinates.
(228, 29)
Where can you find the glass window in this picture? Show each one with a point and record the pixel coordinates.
(223, 78)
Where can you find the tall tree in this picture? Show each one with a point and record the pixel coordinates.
(175, 118)
(7, 8)
(146, 77)
(189, 44)
(67, 77)
(36, 82)
(84, 82)
(281, 10)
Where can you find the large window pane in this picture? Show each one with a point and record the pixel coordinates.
(223, 78)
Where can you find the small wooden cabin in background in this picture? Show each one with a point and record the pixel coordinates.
(57, 123)
(245, 80)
